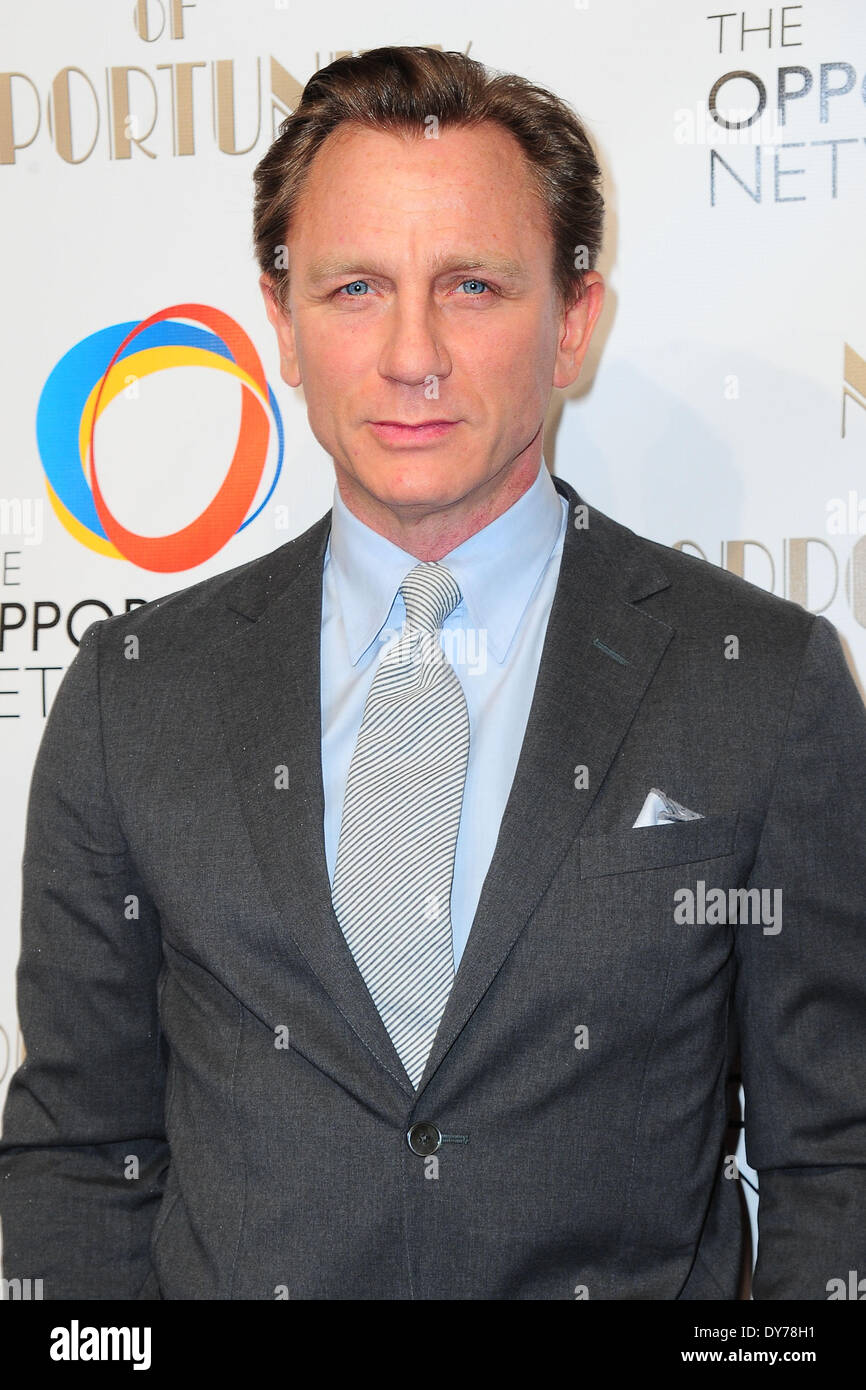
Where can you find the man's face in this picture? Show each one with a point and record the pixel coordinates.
(421, 291)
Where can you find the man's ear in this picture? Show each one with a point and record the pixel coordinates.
(575, 331)
(281, 322)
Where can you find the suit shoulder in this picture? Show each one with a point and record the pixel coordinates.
(706, 606)
(698, 587)
(211, 607)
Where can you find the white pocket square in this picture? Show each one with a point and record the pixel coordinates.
(661, 809)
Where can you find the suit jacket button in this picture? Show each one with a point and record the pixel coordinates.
(424, 1138)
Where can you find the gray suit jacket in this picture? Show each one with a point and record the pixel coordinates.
(210, 1106)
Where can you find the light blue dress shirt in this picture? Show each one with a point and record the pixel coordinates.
(507, 574)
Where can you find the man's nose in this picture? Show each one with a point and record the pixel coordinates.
(414, 349)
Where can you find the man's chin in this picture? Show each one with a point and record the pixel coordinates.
(412, 482)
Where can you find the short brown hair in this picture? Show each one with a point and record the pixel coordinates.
(398, 90)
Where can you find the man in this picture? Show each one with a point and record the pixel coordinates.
(416, 741)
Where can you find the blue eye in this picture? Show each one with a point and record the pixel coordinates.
(348, 291)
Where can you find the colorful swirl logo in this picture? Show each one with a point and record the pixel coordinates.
(94, 372)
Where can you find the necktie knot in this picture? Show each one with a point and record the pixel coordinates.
(430, 593)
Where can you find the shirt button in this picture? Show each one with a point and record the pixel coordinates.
(423, 1138)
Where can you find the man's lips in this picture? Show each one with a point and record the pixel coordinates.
(399, 432)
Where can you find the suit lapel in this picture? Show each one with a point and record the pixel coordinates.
(585, 700)
(599, 656)
(268, 684)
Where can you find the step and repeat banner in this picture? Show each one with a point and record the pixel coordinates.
(722, 407)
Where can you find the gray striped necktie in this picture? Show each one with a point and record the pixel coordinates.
(401, 812)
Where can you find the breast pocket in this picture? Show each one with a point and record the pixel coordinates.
(657, 846)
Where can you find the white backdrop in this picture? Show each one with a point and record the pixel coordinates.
(723, 406)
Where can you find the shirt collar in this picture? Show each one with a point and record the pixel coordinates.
(497, 569)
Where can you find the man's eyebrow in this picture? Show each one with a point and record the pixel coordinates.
(329, 266)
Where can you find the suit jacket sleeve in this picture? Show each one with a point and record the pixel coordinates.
(84, 1153)
(801, 991)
